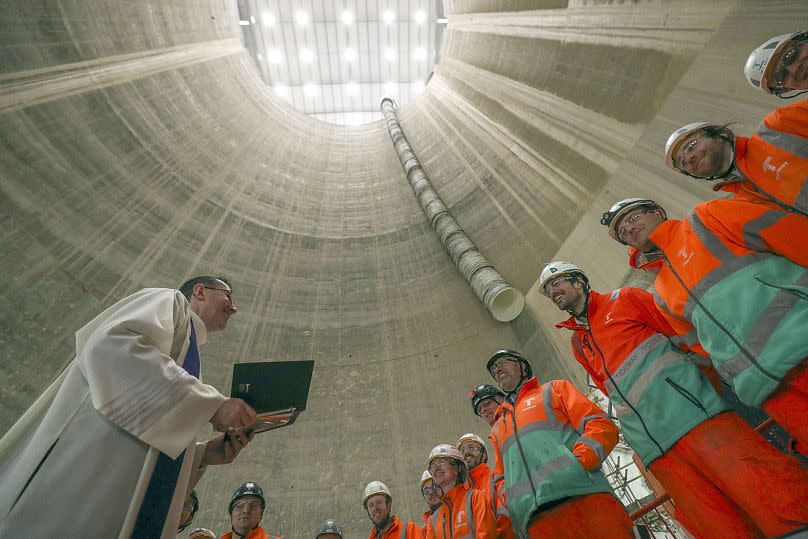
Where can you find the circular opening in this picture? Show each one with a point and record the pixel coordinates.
(507, 304)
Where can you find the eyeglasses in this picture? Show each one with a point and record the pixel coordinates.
(682, 159)
(786, 60)
(246, 506)
(470, 449)
(433, 466)
(629, 219)
(426, 491)
(555, 283)
(228, 293)
(500, 362)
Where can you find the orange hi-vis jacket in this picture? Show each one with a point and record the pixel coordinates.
(631, 353)
(465, 514)
(721, 274)
(550, 445)
(257, 533)
(398, 530)
(772, 165)
(484, 480)
(425, 527)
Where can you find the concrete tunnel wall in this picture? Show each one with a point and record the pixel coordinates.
(140, 147)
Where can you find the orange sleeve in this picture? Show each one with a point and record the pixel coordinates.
(598, 435)
(792, 118)
(485, 525)
(499, 469)
(413, 531)
(646, 309)
(759, 227)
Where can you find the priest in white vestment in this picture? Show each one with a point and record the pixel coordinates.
(89, 458)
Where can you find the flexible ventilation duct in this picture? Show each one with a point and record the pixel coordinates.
(499, 297)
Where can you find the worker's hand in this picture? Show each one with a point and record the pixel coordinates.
(224, 448)
(234, 415)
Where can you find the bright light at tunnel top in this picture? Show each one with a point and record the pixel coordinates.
(342, 80)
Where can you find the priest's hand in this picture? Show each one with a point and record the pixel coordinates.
(224, 448)
(234, 415)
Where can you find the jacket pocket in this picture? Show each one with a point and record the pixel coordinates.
(795, 288)
(688, 395)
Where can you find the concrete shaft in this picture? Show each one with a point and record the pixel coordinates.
(503, 301)
(139, 147)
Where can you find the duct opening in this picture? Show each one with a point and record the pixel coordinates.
(507, 304)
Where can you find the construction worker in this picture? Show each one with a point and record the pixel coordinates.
(431, 493)
(769, 167)
(550, 441)
(780, 65)
(475, 455)
(378, 503)
(464, 511)
(201, 533)
(485, 399)
(246, 511)
(330, 529)
(668, 408)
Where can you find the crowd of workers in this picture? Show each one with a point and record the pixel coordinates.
(729, 302)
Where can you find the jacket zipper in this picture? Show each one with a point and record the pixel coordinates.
(688, 395)
(715, 321)
(521, 449)
(609, 374)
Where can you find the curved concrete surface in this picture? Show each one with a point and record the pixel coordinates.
(139, 147)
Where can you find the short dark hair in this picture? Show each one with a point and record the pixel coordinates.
(187, 288)
(716, 131)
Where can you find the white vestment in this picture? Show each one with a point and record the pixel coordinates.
(78, 462)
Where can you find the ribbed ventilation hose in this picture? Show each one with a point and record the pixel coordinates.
(502, 300)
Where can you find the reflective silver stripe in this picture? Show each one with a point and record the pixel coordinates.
(712, 242)
(788, 142)
(654, 368)
(470, 513)
(699, 359)
(492, 488)
(677, 340)
(547, 401)
(664, 306)
(716, 276)
(587, 419)
(594, 445)
(538, 475)
(404, 530)
(691, 337)
(527, 429)
(652, 342)
(753, 229)
(761, 332)
(801, 202)
(615, 294)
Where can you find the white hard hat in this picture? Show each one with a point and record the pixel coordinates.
(556, 269)
(373, 488)
(762, 61)
(677, 138)
(618, 209)
(470, 436)
(426, 476)
(444, 450)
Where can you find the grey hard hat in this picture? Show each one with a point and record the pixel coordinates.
(330, 526)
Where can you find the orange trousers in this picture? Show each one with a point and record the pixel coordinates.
(728, 481)
(788, 405)
(594, 516)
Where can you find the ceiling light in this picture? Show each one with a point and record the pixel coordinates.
(274, 56)
(310, 89)
(443, 20)
(252, 19)
(268, 18)
(302, 18)
(390, 88)
(346, 18)
(420, 16)
(350, 55)
(389, 16)
(418, 87)
(260, 57)
(281, 90)
(420, 53)
(306, 56)
(351, 88)
(389, 54)
(244, 23)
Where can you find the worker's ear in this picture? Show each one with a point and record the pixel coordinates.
(199, 290)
